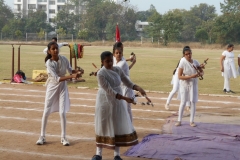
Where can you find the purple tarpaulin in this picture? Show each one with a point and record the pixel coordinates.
(204, 142)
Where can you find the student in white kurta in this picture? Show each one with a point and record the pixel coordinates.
(228, 68)
(54, 39)
(175, 83)
(118, 60)
(113, 126)
(188, 85)
(57, 98)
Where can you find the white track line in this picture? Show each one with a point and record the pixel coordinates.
(44, 154)
(38, 110)
(78, 105)
(73, 138)
(24, 90)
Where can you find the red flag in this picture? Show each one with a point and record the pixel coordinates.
(118, 39)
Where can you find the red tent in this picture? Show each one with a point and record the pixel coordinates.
(117, 38)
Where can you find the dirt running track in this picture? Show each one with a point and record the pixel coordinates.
(22, 107)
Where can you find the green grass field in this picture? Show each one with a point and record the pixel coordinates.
(153, 70)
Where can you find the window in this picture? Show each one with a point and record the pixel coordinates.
(51, 2)
(61, 1)
(59, 8)
(42, 0)
(19, 7)
(51, 20)
(42, 7)
(31, 6)
(19, 1)
(51, 10)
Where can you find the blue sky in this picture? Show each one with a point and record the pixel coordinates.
(163, 6)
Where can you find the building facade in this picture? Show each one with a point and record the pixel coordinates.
(51, 7)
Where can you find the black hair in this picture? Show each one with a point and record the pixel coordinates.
(117, 45)
(117, 48)
(49, 56)
(185, 47)
(55, 38)
(104, 55)
(229, 46)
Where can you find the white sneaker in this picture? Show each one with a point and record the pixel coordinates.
(41, 140)
(64, 141)
(167, 106)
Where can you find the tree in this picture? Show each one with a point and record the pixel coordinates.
(41, 34)
(230, 6)
(5, 14)
(18, 33)
(83, 34)
(172, 26)
(202, 35)
(227, 28)
(155, 27)
(61, 32)
(36, 21)
(204, 11)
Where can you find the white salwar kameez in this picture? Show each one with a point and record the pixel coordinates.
(113, 126)
(57, 97)
(188, 88)
(128, 92)
(229, 69)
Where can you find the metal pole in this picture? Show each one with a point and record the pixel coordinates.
(75, 61)
(12, 62)
(72, 37)
(26, 37)
(70, 57)
(19, 57)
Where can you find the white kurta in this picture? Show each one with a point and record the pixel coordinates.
(229, 65)
(57, 97)
(113, 126)
(189, 88)
(128, 92)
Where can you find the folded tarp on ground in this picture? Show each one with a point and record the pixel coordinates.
(207, 141)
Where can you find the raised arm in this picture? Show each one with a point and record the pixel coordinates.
(133, 62)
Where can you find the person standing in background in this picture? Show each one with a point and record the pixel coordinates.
(228, 67)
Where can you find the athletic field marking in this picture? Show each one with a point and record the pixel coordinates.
(44, 154)
(55, 121)
(78, 105)
(165, 98)
(73, 138)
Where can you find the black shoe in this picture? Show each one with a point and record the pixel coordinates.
(97, 157)
(225, 90)
(117, 158)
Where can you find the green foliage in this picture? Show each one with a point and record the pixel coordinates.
(61, 32)
(202, 35)
(83, 34)
(18, 33)
(5, 14)
(41, 34)
(172, 26)
(230, 6)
